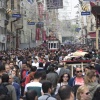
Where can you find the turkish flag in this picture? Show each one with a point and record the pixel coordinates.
(37, 33)
(44, 35)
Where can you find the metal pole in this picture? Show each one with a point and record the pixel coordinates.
(97, 42)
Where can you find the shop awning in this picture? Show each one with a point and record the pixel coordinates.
(92, 34)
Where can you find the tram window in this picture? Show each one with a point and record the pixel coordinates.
(54, 45)
(51, 45)
(57, 45)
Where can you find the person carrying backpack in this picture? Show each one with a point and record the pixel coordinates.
(7, 91)
(47, 89)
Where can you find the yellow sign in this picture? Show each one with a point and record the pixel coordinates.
(29, 20)
(85, 7)
(9, 11)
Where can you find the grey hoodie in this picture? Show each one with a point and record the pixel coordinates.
(92, 88)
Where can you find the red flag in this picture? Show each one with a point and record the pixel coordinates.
(44, 35)
(37, 33)
(92, 4)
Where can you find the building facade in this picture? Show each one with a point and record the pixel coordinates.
(3, 6)
(14, 24)
(25, 24)
(88, 23)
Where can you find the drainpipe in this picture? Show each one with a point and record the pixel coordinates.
(17, 37)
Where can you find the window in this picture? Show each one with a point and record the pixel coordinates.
(55, 45)
(52, 45)
(12, 4)
(49, 45)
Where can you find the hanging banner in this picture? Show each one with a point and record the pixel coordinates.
(54, 4)
(44, 35)
(37, 33)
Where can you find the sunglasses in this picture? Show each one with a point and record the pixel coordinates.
(79, 71)
(87, 93)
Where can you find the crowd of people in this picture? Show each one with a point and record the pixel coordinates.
(40, 74)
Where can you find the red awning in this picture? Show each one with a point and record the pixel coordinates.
(92, 34)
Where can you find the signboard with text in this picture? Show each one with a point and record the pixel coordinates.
(77, 29)
(16, 15)
(85, 13)
(31, 23)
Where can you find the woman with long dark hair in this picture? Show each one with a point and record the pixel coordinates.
(62, 81)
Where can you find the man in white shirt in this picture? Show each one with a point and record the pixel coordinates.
(35, 63)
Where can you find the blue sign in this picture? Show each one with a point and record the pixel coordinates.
(30, 1)
(31, 23)
(77, 29)
(40, 22)
(16, 15)
(85, 13)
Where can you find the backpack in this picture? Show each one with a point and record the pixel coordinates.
(4, 93)
(96, 95)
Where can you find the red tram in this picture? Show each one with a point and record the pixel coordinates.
(53, 43)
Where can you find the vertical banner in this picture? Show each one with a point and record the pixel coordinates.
(37, 33)
(44, 35)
